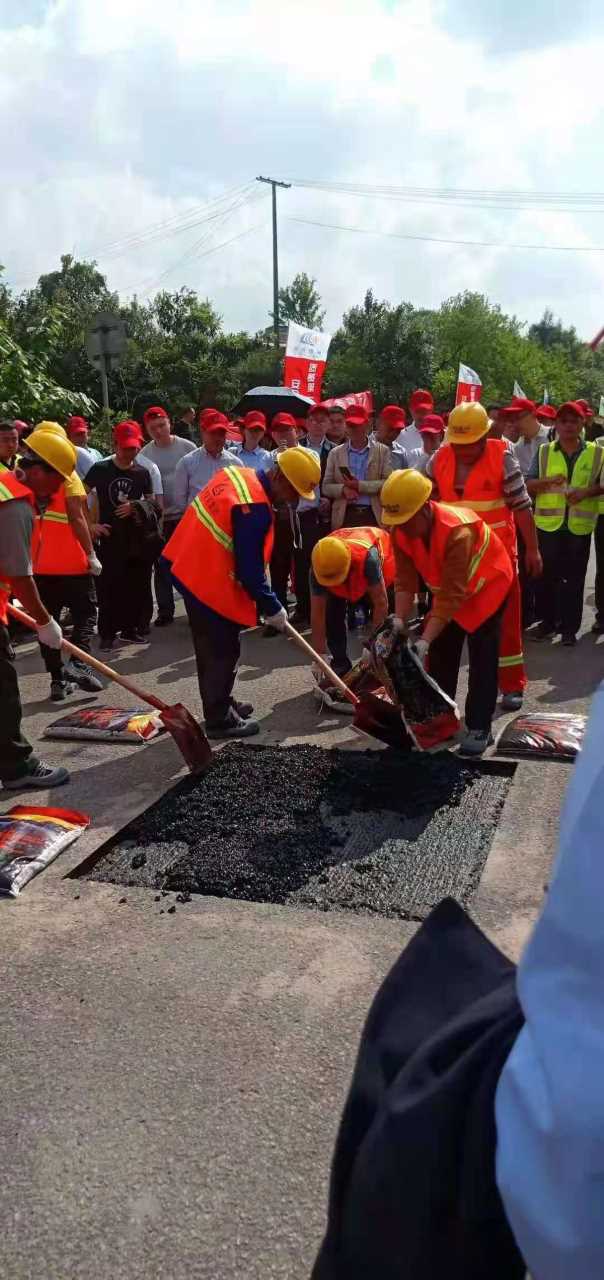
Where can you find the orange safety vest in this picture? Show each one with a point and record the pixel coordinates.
(201, 548)
(490, 572)
(54, 547)
(359, 542)
(482, 491)
(10, 488)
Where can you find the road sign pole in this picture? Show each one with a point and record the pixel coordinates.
(274, 184)
(104, 383)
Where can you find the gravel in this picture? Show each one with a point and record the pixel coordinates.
(373, 832)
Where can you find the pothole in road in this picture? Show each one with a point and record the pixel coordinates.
(371, 832)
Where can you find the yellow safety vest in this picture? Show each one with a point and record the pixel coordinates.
(550, 508)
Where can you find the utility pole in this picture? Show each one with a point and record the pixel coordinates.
(274, 184)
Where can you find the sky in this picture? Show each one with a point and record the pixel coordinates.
(133, 132)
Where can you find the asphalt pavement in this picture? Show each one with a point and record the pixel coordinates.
(173, 1079)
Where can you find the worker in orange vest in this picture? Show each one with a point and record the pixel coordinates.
(346, 566)
(51, 461)
(468, 570)
(219, 554)
(478, 473)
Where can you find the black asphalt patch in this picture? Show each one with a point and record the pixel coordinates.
(372, 832)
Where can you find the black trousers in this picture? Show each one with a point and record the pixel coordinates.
(124, 590)
(16, 753)
(310, 532)
(599, 542)
(337, 633)
(69, 591)
(561, 586)
(162, 576)
(281, 559)
(217, 649)
(483, 653)
(528, 586)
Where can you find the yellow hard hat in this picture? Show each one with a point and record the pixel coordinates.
(402, 495)
(331, 561)
(467, 423)
(53, 449)
(302, 468)
(54, 427)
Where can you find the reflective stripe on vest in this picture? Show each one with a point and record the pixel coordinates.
(551, 508)
(202, 550)
(55, 550)
(10, 488)
(486, 475)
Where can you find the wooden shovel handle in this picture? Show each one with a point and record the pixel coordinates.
(320, 662)
(102, 667)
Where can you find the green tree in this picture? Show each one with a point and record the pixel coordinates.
(27, 391)
(388, 349)
(300, 301)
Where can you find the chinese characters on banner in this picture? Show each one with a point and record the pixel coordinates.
(362, 398)
(469, 386)
(305, 360)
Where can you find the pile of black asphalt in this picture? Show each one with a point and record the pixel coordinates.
(372, 832)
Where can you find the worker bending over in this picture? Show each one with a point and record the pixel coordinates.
(52, 460)
(478, 473)
(346, 566)
(219, 554)
(468, 570)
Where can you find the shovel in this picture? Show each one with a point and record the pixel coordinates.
(187, 733)
(372, 715)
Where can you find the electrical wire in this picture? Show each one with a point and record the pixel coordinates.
(171, 226)
(545, 201)
(483, 244)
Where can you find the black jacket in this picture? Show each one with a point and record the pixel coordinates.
(413, 1193)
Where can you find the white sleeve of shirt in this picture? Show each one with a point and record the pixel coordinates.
(157, 487)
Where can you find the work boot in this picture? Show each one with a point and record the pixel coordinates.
(512, 701)
(132, 637)
(84, 676)
(243, 709)
(232, 727)
(542, 632)
(474, 742)
(164, 619)
(44, 775)
(61, 689)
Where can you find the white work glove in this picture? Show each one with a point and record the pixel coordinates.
(277, 620)
(421, 648)
(316, 671)
(94, 565)
(50, 634)
(398, 626)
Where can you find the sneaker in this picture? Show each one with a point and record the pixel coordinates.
(132, 637)
(143, 631)
(332, 699)
(243, 709)
(512, 701)
(474, 742)
(164, 619)
(598, 627)
(569, 640)
(84, 676)
(42, 776)
(61, 689)
(233, 727)
(542, 632)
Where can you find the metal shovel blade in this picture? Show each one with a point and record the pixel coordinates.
(382, 720)
(188, 736)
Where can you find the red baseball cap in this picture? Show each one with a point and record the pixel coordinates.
(421, 399)
(128, 434)
(356, 416)
(75, 423)
(393, 415)
(253, 420)
(318, 408)
(571, 406)
(521, 405)
(213, 421)
(282, 421)
(546, 411)
(585, 404)
(155, 411)
(432, 425)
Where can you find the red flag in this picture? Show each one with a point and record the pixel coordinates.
(305, 360)
(469, 386)
(362, 398)
(595, 342)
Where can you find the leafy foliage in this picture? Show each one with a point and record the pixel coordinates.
(300, 301)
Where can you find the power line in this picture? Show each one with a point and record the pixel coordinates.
(548, 201)
(483, 244)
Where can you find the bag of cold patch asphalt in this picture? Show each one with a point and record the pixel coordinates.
(108, 724)
(551, 735)
(30, 839)
(428, 714)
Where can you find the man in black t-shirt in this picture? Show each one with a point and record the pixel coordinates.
(124, 586)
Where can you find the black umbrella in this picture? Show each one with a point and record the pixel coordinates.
(272, 400)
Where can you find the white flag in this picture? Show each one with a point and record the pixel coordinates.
(518, 392)
(469, 385)
(601, 409)
(545, 396)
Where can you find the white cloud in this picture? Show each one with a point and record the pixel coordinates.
(127, 113)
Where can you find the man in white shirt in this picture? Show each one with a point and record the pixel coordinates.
(78, 431)
(250, 452)
(420, 404)
(195, 470)
(431, 431)
(165, 451)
